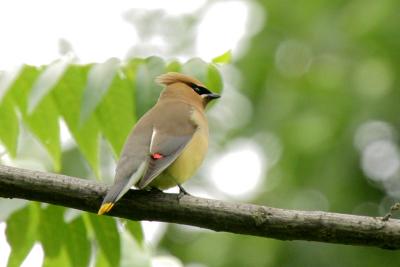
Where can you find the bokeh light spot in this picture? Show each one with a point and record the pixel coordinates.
(238, 171)
(371, 131)
(380, 160)
(373, 78)
(293, 58)
(392, 186)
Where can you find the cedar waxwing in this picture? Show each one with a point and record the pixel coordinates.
(168, 144)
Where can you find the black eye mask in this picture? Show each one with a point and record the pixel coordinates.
(200, 89)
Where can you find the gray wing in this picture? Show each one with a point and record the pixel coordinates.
(136, 150)
(170, 136)
(169, 149)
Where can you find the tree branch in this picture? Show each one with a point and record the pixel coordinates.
(206, 213)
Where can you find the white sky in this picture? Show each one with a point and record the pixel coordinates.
(30, 32)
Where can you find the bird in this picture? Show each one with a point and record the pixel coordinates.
(168, 143)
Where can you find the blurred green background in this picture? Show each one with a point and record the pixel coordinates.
(308, 119)
(322, 78)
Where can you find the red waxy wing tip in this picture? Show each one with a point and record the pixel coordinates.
(157, 156)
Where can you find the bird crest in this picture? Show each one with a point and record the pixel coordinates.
(175, 77)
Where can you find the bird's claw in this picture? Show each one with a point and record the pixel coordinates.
(182, 192)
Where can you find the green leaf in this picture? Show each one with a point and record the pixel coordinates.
(60, 260)
(43, 122)
(130, 69)
(77, 243)
(147, 91)
(68, 95)
(52, 230)
(21, 233)
(196, 67)
(214, 79)
(107, 235)
(99, 80)
(135, 229)
(101, 260)
(225, 58)
(116, 113)
(7, 78)
(46, 81)
(9, 126)
(174, 66)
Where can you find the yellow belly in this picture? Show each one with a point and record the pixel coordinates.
(186, 165)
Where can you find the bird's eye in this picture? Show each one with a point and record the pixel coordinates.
(195, 88)
(199, 89)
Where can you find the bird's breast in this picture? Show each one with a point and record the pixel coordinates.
(186, 165)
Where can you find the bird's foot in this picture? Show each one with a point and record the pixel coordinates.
(182, 192)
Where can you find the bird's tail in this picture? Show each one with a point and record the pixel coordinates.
(113, 195)
(119, 188)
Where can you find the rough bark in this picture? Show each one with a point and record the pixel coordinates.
(216, 215)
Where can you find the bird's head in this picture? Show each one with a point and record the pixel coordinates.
(185, 87)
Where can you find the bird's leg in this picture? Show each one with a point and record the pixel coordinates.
(182, 192)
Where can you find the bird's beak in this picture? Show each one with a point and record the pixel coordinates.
(213, 96)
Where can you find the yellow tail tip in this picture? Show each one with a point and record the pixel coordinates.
(106, 207)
